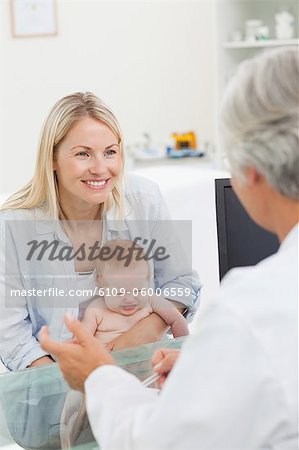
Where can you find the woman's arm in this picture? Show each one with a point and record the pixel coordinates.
(168, 312)
(18, 347)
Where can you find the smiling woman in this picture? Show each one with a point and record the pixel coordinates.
(78, 199)
(87, 172)
(78, 126)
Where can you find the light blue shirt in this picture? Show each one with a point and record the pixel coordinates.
(24, 311)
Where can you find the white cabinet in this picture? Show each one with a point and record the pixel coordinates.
(231, 16)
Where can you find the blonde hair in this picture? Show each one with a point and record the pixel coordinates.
(42, 190)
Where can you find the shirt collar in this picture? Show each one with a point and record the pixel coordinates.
(47, 226)
(291, 238)
(114, 225)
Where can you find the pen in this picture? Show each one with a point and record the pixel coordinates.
(151, 379)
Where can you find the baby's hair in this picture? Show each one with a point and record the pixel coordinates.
(117, 253)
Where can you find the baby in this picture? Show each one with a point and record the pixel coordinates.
(124, 302)
(125, 298)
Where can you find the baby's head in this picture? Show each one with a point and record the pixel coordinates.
(124, 276)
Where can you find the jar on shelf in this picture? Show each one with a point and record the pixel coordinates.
(284, 24)
(263, 33)
(252, 28)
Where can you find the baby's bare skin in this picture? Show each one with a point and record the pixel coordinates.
(106, 324)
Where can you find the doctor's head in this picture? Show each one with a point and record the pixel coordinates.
(260, 128)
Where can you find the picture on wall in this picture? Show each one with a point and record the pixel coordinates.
(32, 18)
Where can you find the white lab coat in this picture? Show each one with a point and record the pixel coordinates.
(235, 384)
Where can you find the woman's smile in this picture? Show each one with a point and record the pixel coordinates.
(96, 184)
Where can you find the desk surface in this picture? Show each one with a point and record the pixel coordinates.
(31, 400)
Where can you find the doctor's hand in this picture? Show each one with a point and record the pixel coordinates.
(163, 361)
(78, 357)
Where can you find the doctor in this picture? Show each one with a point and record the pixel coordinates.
(234, 383)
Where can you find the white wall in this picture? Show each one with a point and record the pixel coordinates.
(152, 62)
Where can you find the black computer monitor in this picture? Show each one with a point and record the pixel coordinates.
(241, 242)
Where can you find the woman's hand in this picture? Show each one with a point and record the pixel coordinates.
(163, 361)
(150, 329)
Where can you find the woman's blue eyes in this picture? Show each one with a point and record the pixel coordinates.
(110, 152)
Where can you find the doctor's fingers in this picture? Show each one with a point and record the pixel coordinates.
(83, 341)
(164, 359)
(72, 376)
(48, 344)
(80, 333)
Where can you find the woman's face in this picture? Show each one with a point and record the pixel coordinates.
(87, 163)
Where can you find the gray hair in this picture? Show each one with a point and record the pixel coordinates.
(260, 119)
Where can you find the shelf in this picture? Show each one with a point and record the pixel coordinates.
(261, 44)
(194, 161)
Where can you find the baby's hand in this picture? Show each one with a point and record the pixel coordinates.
(163, 361)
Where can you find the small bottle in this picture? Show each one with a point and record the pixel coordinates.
(251, 29)
(284, 24)
(263, 33)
